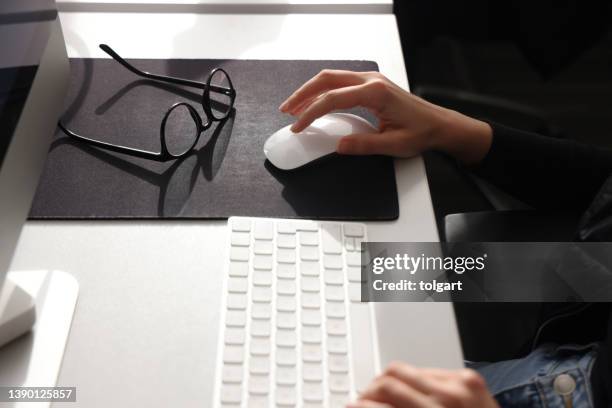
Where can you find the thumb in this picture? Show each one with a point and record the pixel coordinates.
(368, 143)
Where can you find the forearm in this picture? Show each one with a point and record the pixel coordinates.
(543, 172)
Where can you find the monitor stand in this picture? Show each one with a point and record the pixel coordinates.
(34, 358)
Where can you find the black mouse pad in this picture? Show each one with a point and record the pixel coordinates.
(227, 174)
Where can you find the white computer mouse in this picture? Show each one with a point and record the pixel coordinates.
(287, 150)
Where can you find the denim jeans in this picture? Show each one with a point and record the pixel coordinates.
(530, 381)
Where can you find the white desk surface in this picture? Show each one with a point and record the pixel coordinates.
(230, 6)
(145, 327)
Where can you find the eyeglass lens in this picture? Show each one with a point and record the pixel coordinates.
(220, 103)
(180, 130)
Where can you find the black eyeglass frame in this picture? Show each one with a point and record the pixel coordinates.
(165, 154)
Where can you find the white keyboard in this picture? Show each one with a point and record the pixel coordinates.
(294, 332)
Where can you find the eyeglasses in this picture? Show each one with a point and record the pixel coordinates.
(182, 125)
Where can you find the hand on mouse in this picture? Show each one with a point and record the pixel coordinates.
(404, 386)
(409, 125)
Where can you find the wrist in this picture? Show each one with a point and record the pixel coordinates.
(462, 137)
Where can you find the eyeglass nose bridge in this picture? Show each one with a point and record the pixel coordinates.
(197, 119)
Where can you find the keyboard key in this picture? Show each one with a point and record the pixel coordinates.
(260, 346)
(349, 244)
(286, 338)
(263, 247)
(235, 336)
(258, 401)
(353, 259)
(233, 354)
(261, 311)
(309, 238)
(354, 290)
(235, 318)
(338, 383)
(232, 373)
(332, 239)
(285, 287)
(312, 391)
(332, 261)
(286, 271)
(259, 365)
(239, 254)
(335, 309)
(312, 372)
(336, 327)
(239, 269)
(286, 320)
(264, 229)
(261, 328)
(309, 253)
(353, 230)
(242, 239)
(334, 293)
(285, 303)
(311, 317)
(262, 278)
(311, 301)
(262, 294)
(305, 225)
(285, 241)
(237, 285)
(310, 268)
(286, 356)
(354, 274)
(285, 396)
(285, 255)
(337, 400)
(333, 277)
(310, 284)
(337, 345)
(286, 227)
(241, 224)
(259, 385)
(262, 262)
(286, 375)
(236, 301)
(312, 353)
(353, 244)
(311, 335)
(231, 394)
(338, 363)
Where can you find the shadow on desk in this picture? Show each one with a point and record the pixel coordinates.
(322, 189)
(177, 182)
(16, 355)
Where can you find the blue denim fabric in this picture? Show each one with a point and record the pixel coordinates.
(528, 382)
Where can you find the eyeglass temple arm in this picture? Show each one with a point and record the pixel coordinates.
(143, 154)
(162, 78)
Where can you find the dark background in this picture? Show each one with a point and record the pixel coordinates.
(545, 65)
(553, 55)
(541, 66)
